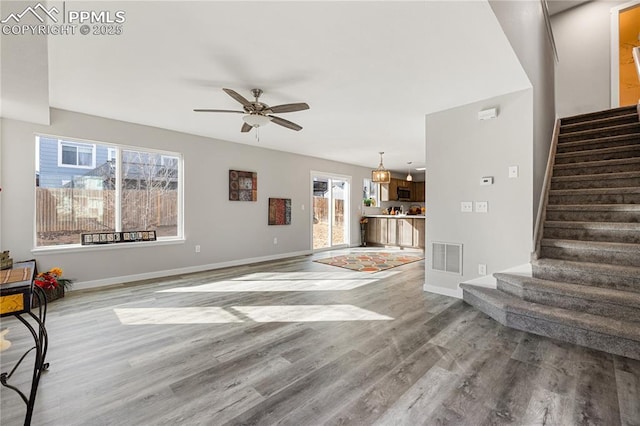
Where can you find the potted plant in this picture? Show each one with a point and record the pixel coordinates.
(368, 202)
(52, 283)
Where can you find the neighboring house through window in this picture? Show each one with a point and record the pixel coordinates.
(77, 190)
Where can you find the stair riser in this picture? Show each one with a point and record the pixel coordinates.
(595, 199)
(587, 169)
(609, 235)
(598, 183)
(627, 152)
(588, 125)
(599, 133)
(625, 258)
(614, 282)
(605, 143)
(575, 303)
(611, 344)
(598, 115)
(593, 216)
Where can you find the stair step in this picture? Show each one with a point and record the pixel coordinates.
(628, 118)
(610, 153)
(606, 302)
(594, 212)
(624, 278)
(626, 254)
(599, 114)
(604, 142)
(597, 167)
(593, 231)
(625, 195)
(603, 180)
(623, 129)
(593, 331)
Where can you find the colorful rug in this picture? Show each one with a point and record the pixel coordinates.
(370, 262)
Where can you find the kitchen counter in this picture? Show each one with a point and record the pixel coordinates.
(397, 216)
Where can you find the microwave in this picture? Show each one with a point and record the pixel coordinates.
(404, 194)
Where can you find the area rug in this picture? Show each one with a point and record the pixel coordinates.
(371, 261)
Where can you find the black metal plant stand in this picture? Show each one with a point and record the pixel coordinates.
(363, 235)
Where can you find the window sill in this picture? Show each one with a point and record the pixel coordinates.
(79, 248)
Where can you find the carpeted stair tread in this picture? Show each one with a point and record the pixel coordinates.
(595, 300)
(597, 163)
(590, 116)
(626, 278)
(564, 157)
(592, 245)
(602, 180)
(594, 331)
(608, 141)
(585, 191)
(622, 129)
(615, 226)
(630, 117)
(596, 207)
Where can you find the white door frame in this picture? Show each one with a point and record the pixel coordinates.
(615, 50)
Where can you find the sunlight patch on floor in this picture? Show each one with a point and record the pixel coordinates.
(213, 315)
(309, 313)
(273, 284)
(191, 315)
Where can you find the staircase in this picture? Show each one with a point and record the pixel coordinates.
(585, 285)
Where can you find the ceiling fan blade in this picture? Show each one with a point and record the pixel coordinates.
(246, 127)
(285, 123)
(218, 110)
(238, 97)
(289, 108)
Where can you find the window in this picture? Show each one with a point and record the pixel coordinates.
(123, 190)
(370, 192)
(72, 154)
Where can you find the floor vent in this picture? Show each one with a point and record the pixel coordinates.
(447, 257)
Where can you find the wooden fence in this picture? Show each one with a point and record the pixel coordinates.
(321, 212)
(68, 209)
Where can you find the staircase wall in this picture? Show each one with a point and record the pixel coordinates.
(461, 150)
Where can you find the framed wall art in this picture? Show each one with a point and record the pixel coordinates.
(279, 211)
(243, 186)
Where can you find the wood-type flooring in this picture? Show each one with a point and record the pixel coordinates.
(293, 342)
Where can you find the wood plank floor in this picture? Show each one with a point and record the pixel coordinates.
(294, 342)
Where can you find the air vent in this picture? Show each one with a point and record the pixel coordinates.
(447, 257)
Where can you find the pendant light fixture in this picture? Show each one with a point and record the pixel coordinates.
(381, 175)
(409, 177)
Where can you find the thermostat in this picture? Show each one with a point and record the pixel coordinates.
(487, 180)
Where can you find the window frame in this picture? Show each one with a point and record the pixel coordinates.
(161, 240)
(77, 145)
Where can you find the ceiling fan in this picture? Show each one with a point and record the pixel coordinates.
(258, 114)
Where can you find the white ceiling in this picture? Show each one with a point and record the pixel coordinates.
(370, 71)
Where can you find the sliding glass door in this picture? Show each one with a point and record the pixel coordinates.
(330, 211)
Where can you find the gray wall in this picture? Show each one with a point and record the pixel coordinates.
(228, 232)
(523, 24)
(460, 150)
(583, 40)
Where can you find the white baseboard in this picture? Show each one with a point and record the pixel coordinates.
(451, 292)
(186, 270)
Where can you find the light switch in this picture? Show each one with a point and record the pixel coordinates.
(482, 269)
(466, 207)
(513, 172)
(482, 206)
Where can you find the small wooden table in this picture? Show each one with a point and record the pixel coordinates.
(15, 300)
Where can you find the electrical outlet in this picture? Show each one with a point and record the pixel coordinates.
(466, 206)
(275, 240)
(303, 207)
(482, 206)
(482, 269)
(198, 248)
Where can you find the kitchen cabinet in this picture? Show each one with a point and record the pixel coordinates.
(396, 231)
(389, 191)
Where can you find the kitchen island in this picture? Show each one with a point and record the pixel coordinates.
(396, 230)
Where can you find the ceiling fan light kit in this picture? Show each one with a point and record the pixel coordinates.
(380, 175)
(258, 114)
